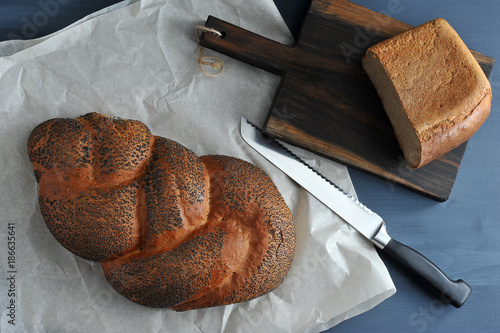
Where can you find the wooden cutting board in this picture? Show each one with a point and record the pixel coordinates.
(326, 103)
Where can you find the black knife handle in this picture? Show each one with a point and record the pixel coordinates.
(452, 292)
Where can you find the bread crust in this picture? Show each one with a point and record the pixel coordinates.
(454, 133)
(436, 83)
(76, 179)
(169, 228)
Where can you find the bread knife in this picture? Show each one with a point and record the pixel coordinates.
(368, 223)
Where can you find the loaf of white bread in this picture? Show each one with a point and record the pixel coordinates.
(170, 229)
(432, 89)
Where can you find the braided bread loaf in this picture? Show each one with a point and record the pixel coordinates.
(169, 228)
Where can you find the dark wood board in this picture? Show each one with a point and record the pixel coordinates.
(326, 102)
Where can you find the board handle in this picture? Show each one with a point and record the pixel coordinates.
(245, 46)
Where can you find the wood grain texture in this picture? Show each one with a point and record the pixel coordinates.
(326, 102)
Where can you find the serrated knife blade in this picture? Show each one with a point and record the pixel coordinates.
(368, 223)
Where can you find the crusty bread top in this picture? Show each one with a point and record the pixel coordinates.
(88, 170)
(438, 80)
(171, 229)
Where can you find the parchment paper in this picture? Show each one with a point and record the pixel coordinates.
(138, 60)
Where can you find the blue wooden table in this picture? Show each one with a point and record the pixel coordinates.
(461, 235)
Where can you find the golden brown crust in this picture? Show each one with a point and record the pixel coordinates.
(259, 234)
(170, 229)
(438, 84)
(77, 179)
(444, 140)
(176, 195)
(169, 277)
